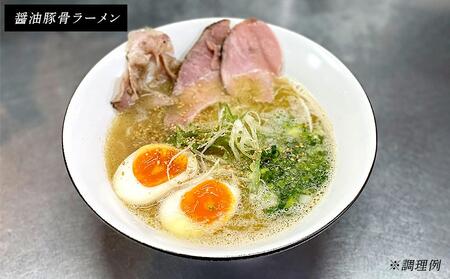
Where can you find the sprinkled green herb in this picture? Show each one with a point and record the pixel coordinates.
(299, 166)
(285, 160)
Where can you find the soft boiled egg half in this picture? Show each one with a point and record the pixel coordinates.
(199, 209)
(152, 171)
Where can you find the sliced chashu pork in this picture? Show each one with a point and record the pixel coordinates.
(150, 65)
(251, 58)
(199, 83)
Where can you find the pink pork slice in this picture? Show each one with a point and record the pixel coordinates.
(199, 84)
(251, 58)
(150, 63)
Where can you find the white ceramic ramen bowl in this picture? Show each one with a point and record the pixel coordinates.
(89, 116)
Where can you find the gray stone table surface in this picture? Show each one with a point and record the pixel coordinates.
(400, 52)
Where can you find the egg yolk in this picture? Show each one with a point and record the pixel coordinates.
(151, 166)
(207, 201)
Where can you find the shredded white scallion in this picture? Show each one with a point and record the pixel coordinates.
(205, 175)
(244, 138)
(173, 159)
(211, 141)
(308, 114)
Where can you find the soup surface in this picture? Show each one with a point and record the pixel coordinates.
(279, 155)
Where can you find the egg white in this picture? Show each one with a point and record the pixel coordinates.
(132, 192)
(174, 220)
